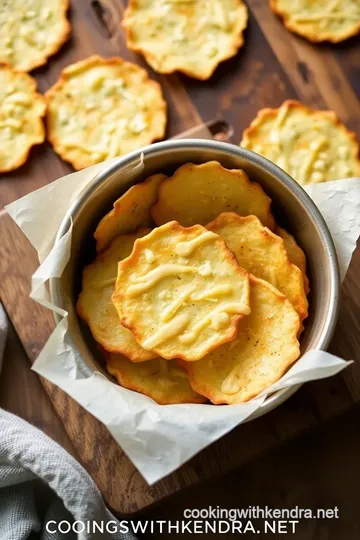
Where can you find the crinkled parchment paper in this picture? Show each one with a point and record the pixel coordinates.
(158, 439)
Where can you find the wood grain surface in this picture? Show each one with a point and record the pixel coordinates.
(319, 470)
(272, 66)
(22, 393)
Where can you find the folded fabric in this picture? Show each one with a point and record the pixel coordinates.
(41, 485)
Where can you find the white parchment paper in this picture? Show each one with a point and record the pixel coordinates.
(158, 439)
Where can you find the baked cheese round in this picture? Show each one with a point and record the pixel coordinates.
(312, 146)
(295, 254)
(320, 20)
(197, 194)
(103, 108)
(130, 211)
(263, 254)
(21, 117)
(191, 36)
(265, 348)
(164, 381)
(94, 304)
(31, 31)
(181, 292)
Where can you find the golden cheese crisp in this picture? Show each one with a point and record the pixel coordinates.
(103, 108)
(263, 254)
(312, 146)
(181, 292)
(265, 348)
(161, 380)
(191, 36)
(130, 212)
(31, 31)
(95, 307)
(320, 20)
(21, 113)
(197, 194)
(295, 254)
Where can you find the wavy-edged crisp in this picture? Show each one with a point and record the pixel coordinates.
(320, 20)
(161, 380)
(94, 304)
(103, 108)
(197, 194)
(181, 292)
(31, 31)
(21, 117)
(312, 146)
(295, 254)
(130, 212)
(191, 36)
(265, 348)
(263, 254)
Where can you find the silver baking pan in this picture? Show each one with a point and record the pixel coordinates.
(292, 208)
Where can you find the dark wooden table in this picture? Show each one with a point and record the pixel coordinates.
(318, 470)
(272, 66)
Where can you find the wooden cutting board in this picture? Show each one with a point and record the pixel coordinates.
(272, 66)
